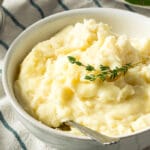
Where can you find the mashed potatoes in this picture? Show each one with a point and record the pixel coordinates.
(53, 90)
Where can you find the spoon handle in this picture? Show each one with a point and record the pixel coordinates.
(102, 139)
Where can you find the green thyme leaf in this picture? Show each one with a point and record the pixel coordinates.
(102, 76)
(90, 77)
(104, 68)
(72, 59)
(79, 63)
(90, 68)
(114, 74)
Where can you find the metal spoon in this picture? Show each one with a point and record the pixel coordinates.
(102, 139)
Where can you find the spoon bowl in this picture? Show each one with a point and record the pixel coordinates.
(99, 137)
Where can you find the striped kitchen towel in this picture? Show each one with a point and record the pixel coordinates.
(19, 15)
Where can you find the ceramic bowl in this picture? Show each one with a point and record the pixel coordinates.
(122, 22)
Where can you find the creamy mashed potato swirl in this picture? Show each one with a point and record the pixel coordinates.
(53, 90)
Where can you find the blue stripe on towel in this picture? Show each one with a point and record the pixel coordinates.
(97, 3)
(13, 18)
(6, 125)
(61, 3)
(37, 7)
(5, 45)
(129, 8)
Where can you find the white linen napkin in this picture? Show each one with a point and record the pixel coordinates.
(19, 15)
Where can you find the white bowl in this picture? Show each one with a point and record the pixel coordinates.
(122, 22)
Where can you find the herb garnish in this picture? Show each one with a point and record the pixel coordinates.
(105, 73)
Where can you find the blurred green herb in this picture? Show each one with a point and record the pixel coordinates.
(139, 2)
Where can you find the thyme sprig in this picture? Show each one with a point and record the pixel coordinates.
(104, 73)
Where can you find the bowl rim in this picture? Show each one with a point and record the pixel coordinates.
(13, 99)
